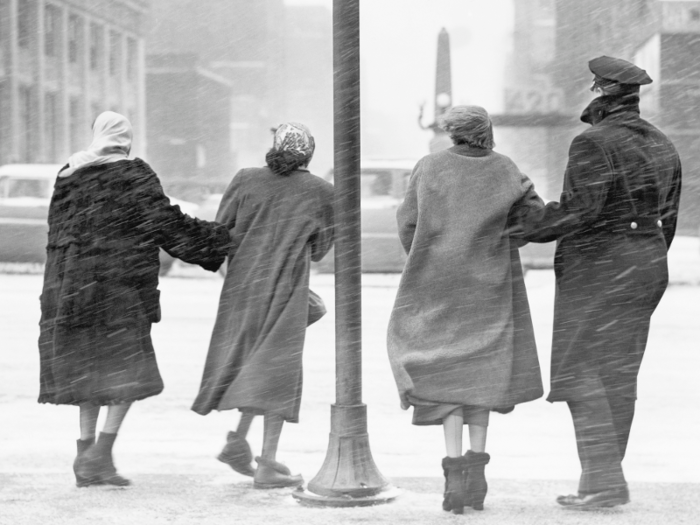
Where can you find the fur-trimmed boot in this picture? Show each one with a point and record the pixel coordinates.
(78, 464)
(476, 481)
(237, 454)
(97, 464)
(455, 492)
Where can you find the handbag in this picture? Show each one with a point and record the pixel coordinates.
(317, 308)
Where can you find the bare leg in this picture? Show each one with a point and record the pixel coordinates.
(452, 426)
(115, 416)
(270, 473)
(477, 438)
(271, 436)
(96, 467)
(244, 424)
(88, 421)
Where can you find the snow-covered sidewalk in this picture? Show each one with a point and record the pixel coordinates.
(168, 451)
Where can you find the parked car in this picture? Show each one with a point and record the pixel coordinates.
(25, 195)
(383, 185)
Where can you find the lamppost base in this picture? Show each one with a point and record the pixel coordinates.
(348, 477)
(309, 499)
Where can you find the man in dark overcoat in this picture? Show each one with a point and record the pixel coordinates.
(614, 224)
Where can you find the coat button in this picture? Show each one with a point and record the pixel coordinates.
(659, 223)
(633, 225)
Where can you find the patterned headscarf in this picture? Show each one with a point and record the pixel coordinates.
(295, 138)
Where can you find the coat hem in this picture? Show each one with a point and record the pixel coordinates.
(47, 399)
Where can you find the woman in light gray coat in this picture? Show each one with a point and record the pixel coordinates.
(460, 340)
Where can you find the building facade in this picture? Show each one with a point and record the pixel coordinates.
(240, 41)
(62, 62)
(189, 125)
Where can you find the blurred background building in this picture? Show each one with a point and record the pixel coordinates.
(62, 62)
(221, 74)
(204, 81)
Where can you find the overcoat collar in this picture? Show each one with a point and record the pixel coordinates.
(605, 106)
(467, 150)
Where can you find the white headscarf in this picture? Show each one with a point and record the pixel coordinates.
(111, 141)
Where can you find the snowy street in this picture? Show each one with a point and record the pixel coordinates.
(161, 437)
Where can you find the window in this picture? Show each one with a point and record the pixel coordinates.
(115, 53)
(95, 109)
(131, 59)
(24, 138)
(24, 23)
(50, 123)
(96, 44)
(17, 188)
(52, 20)
(76, 125)
(74, 38)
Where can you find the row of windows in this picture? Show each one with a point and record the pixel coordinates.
(75, 37)
(78, 125)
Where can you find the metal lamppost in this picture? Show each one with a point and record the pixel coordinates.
(348, 476)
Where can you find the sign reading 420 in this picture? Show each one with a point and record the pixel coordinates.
(521, 101)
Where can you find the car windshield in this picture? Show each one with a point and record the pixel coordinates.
(375, 183)
(15, 188)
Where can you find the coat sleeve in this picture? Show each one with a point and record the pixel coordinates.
(407, 213)
(528, 204)
(322, 239)
(669, 208)
(192, 240)
(587, 181)
(228, 207)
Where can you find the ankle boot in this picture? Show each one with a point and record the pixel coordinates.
(237, 455)
(78, 464)
(98, 464)
(476, 482)
(454, 499)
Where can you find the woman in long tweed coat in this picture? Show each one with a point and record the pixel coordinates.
(280, 218)
(460, 338)
(108, 218)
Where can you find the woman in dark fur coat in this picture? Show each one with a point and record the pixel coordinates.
(107, 220)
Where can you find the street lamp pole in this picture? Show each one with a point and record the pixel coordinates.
(349, 476)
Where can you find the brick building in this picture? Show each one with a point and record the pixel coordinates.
(62, 62)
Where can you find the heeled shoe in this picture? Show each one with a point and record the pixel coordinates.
(597, 500)
(454, 497)
(476, 486)
(237, 454)
(271, 474)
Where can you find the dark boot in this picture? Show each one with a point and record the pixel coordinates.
(454, 499)
(98, 465)
(271, 474)
(78, 464)
(476, 482)
(237, 455)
